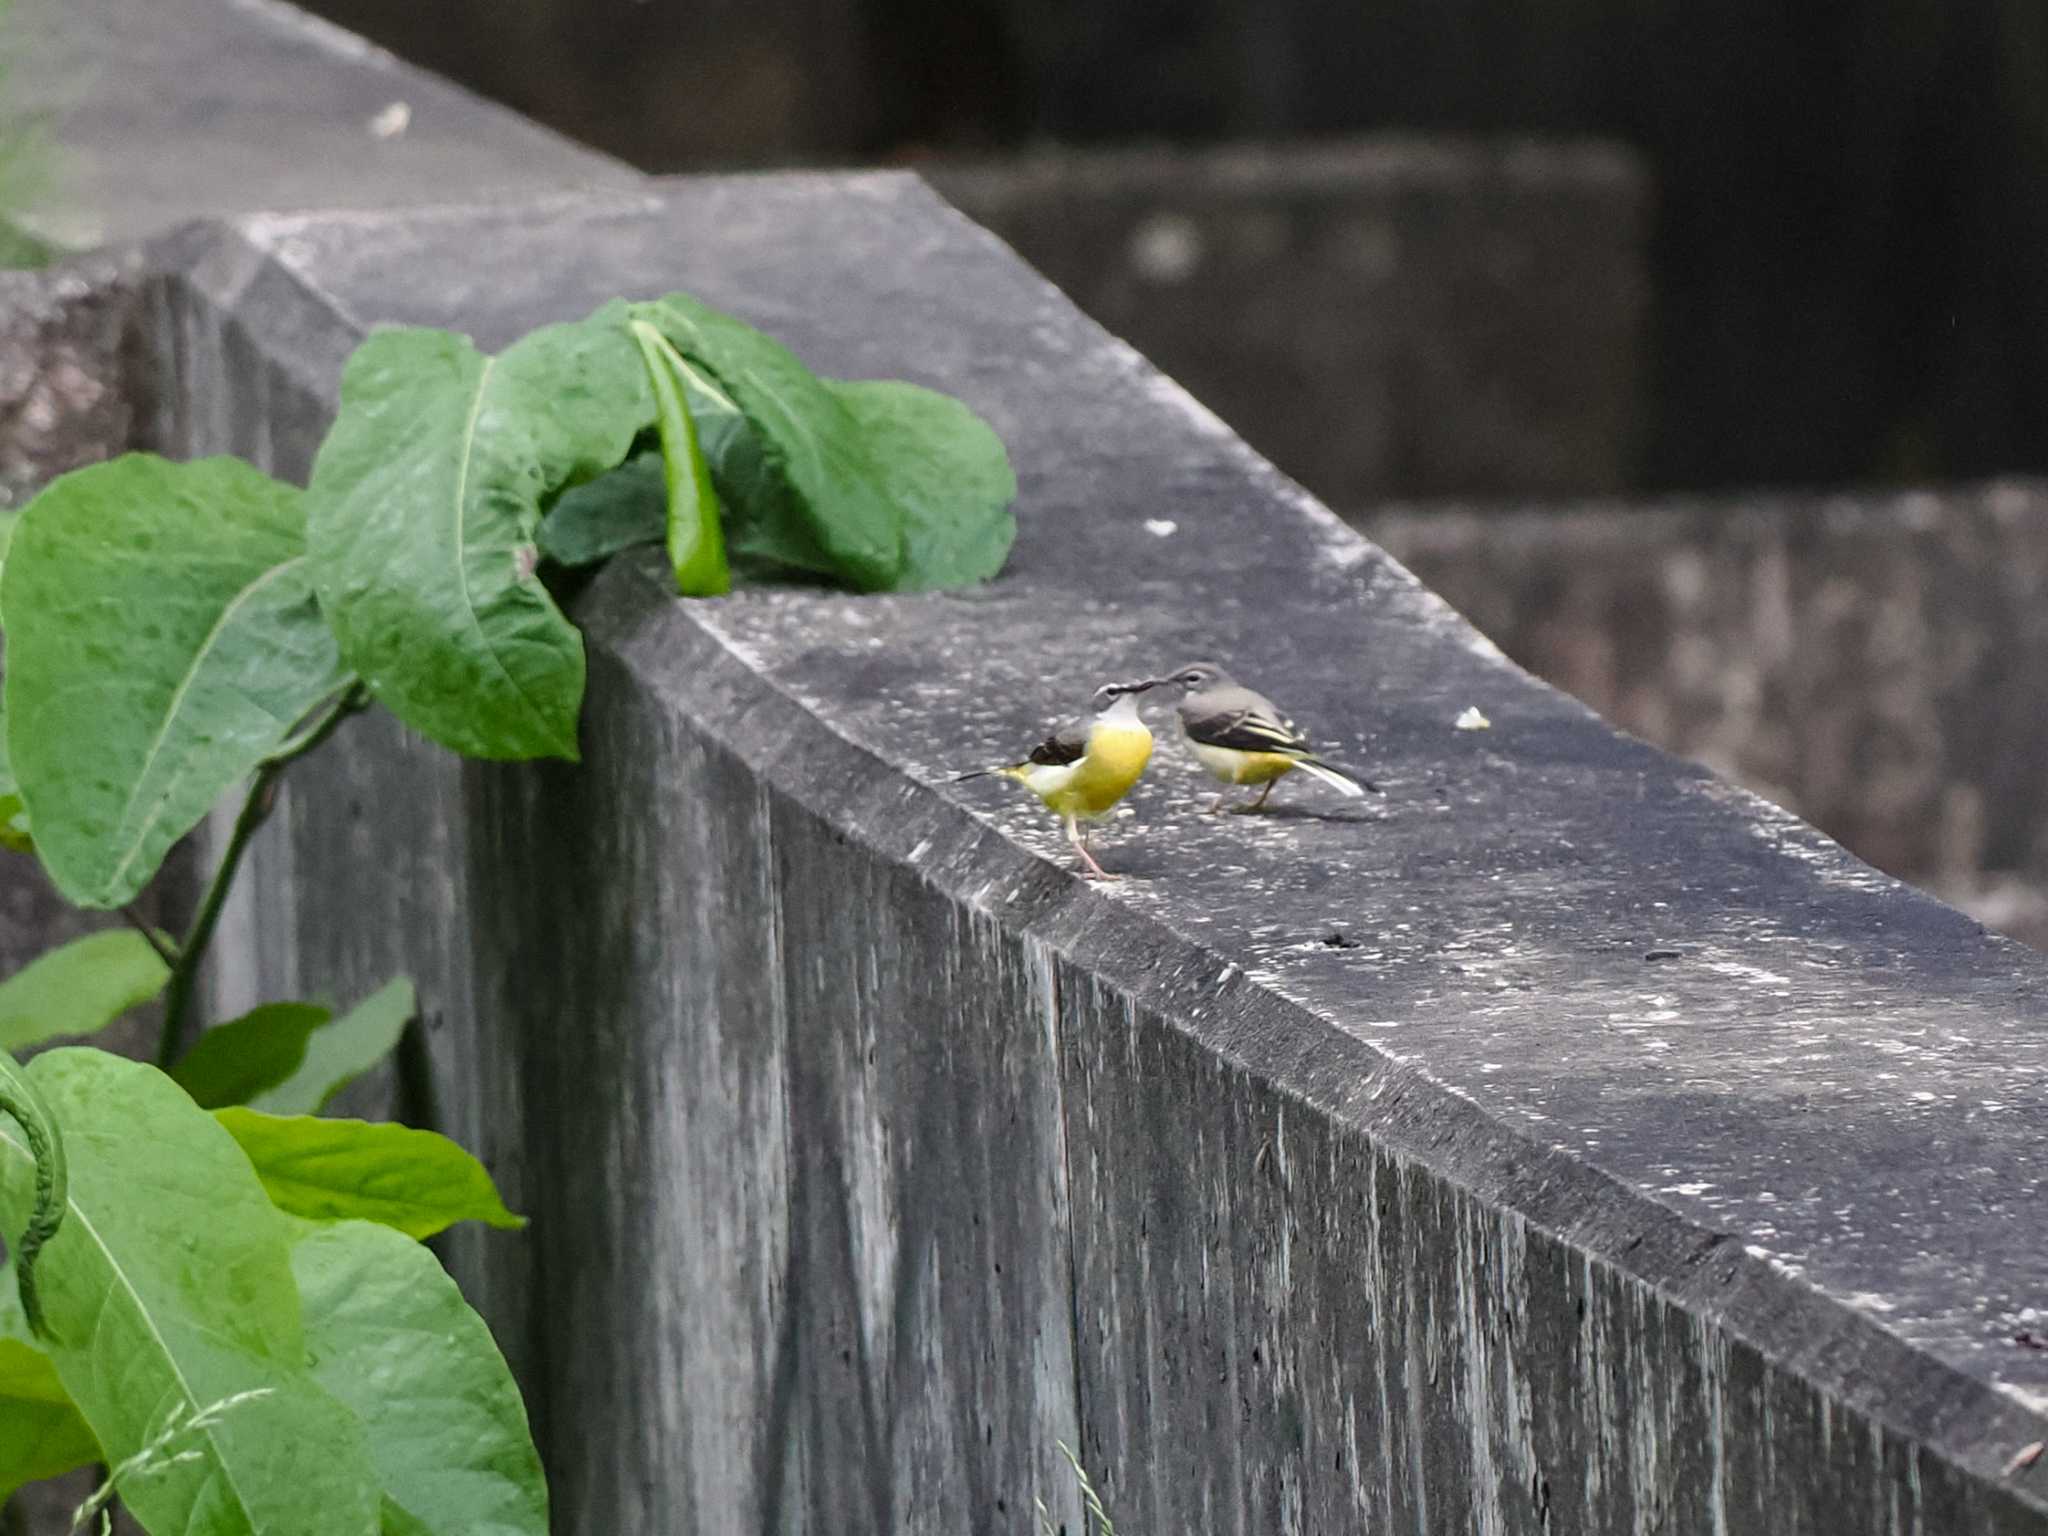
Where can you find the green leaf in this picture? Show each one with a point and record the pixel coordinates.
(424, 509)
(592, 522)
(14, 831)
(7, 522)
(234, 1062)
(948, 471)
(169, 1291)
(337, 1170)
(41, 1433)
(392, 1337)
(339, 1052)
(162, 640)
(79, 987)
(291, 1058)
(49, 1183)
(695, 538)
(819, 484)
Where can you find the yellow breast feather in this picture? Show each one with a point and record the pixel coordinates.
(1117, 753)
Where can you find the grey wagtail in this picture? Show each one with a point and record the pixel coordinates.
(1240, 738)
(1088, 764)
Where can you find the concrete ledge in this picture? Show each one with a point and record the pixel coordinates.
(1875, 663)
(1572, 1144)
(176, 109)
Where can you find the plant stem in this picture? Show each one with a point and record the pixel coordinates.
(355, 697)
(150, 936)
(178, 991)
(255, 811)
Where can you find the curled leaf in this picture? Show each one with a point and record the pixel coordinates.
(20, 1099)
(696, 542)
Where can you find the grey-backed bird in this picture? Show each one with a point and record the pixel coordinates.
(1087, 764)
(1241, 738)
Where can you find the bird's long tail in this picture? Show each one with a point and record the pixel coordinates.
(979, 773)
(1344, 783)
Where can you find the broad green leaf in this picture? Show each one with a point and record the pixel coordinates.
(810, 445)
(594, 521)
(169, 1291)
(14, 831)
(948, 471)
(234, 1062)
(424, 509)
(338, 1170)
(340, 1051)
(162, 640)
(693, 533)
(392, 1337)
(41, 1434)
(79, 987)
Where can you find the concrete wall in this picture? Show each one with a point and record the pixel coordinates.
(1835, 307)
(1569, 1143)
(1381, 316)
(1875, 664)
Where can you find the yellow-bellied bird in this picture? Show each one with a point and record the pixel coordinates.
(1241, 738)
(1087, 765)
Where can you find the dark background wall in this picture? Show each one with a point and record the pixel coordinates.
(1853, 198)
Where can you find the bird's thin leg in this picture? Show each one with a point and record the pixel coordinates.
(1215, 807)
(1254, 805)
(1093, 870)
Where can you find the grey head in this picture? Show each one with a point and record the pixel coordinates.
(1105, 697)
(1197, 677)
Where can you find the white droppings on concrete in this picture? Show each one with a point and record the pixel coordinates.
(1694, 1189)
(1736, 970)
(1870, 1301)
(392, 122)
(1161, 527)
(2027, 1397)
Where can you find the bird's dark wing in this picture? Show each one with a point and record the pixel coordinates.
(1065, 745)
(1243, 721)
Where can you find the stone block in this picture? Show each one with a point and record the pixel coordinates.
(1874, 663)
(178, 109)
(1381, 316)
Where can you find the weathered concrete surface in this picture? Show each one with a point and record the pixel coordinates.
(1569, 1143)
(1877, 665)
(175, 109)
(1380, 316)
(65, 384)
